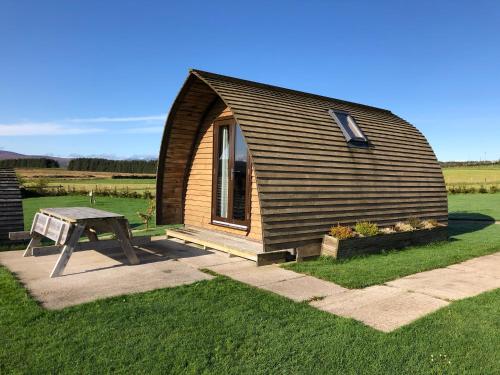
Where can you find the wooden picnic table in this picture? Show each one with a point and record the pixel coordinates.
(66, 225)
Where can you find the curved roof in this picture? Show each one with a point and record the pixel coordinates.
(308, 177)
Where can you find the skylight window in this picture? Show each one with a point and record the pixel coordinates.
(352, 133)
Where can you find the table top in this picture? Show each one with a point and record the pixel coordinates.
(76, 214)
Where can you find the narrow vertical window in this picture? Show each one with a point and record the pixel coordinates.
(240, 175)
(352, 132)
(223, 173)
(231, 183)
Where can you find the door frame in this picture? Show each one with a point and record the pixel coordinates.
(243, 225)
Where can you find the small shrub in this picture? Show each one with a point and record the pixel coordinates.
(366, 229)
(148, 215)
(41, 184)
(387, 230)
(482, 189)
(471, 190)
(493, 189)
(403, 227)
(414, 221)
(429, 224)
(147, 195)
(341, 232)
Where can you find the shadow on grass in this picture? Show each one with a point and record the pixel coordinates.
(467, 222)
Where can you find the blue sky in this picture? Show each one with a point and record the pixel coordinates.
(98, 77)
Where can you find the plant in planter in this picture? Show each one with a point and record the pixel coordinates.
(341, 232)
(387, 230)
(429, 224)
(403, 227)
(414, 221)
(366, 229)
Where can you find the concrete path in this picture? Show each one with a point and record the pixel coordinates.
(383, 307)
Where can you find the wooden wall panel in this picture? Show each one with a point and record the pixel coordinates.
(179, 136)
(11, 209)
(198, 200)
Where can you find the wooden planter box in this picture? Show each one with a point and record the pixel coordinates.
(375, 244)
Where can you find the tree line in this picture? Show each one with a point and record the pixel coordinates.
(468, 163)
(107, 165)
(29, 163)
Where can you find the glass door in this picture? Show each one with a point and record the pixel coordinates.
(231, 182)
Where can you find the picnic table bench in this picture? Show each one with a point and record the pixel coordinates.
(65, 226)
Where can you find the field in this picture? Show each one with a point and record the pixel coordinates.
(474, 176)
(84, 180)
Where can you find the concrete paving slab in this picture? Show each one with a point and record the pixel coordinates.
(352, 295)
(230, 269)
(263, 276)
(487, 265)
(195, 256)
(382, 307)
(92, 275)
(247, 272)
(448, 283)
(304, 288)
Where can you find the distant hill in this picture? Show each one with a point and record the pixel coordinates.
(63, 162)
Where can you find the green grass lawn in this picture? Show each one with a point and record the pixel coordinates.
(125, 206)
(467, 240)
(224, 327)
(474, 205)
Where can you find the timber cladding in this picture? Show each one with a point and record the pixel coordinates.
(307, 177)
(198, 197)
(11, 209)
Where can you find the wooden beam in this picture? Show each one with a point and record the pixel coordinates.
(67, 251)
(123, 237)
(210, 244)
(19, 236)
(91, 245)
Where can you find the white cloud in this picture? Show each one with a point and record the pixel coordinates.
(144, 130)
(84, 126)
(118, 119)
(43, 128)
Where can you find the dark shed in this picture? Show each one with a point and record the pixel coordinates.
(11, 209)
(312, 162)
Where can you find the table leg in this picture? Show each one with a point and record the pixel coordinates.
(67, 251)
(91, 235)
(36, 239)
(126, 245)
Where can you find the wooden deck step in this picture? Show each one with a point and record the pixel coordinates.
(233, 245)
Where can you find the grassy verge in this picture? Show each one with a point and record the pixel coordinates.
(222, 326)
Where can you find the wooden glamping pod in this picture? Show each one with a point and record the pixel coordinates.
(11, 209)
(279, 167)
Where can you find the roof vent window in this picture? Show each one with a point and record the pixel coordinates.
(352, 133)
